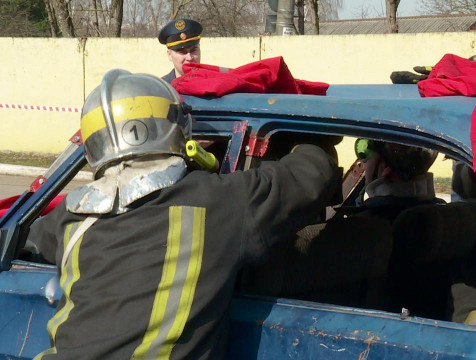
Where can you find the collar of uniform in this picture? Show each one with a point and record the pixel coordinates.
(421, 188)
(125, 183)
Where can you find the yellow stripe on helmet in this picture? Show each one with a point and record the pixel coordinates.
(139, 107)
(169, 45)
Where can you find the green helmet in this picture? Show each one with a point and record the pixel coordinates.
(406, 161)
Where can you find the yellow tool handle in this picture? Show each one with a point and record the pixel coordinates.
(204, 159)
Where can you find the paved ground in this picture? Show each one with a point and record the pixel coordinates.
(11, 185)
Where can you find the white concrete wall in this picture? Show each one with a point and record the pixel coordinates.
(61, 72)
(47, 72)
(364, 59)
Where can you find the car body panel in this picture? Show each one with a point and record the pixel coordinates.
(375, 112)
(261, 328)
(302, 330)
(267, 328)
(29, 295)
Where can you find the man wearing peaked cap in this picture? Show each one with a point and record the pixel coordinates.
(182, 38)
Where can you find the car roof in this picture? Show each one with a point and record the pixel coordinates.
(382, 112)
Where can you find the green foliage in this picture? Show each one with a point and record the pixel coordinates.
(23, 18)
(442, 185)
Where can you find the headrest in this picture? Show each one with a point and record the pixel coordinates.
(435, 232)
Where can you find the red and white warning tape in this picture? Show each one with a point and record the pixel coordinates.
(37, 107)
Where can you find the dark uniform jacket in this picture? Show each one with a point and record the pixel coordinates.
(157, 281)
(170, 76)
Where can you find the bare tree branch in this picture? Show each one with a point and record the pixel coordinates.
(314, 6)
(446, 7)
(95, 18)
(154, 17)
(219, 17)
(51, 18)
(300, 11)
(102, 12)
(181, 4)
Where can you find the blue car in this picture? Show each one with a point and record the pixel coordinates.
(356, 315)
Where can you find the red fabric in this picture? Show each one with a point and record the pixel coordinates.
(452, 75)
(264, 76)
(5, 204)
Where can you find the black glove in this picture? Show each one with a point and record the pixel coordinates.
(425, 70)
(406, 77)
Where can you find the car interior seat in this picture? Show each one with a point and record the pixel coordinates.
(431, 243)
(342, 262)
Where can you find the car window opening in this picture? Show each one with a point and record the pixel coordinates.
(354, 258)
(417, 255)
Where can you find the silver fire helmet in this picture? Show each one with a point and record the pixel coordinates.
(133, 115)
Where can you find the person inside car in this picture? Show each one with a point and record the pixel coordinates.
(182, 38)
(148, 253)
(396, 177)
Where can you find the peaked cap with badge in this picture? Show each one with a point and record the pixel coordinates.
(180, 33)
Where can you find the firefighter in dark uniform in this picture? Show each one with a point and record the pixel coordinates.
(148, 253)
(182, 38)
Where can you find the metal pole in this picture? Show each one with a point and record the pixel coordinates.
(284, 21)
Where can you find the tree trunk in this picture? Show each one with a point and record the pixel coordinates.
(115, 18)
(314, 6)
(392, 6)
(100, 10)
(65, 23)
(300, 11)
(62, 17)
(154, 17)
(51, 19)
(95, 18)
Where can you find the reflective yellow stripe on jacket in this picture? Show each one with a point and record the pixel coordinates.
(69, 276)
(176, 290)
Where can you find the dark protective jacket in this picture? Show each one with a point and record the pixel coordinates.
(157, 281)
(170, 76)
